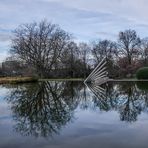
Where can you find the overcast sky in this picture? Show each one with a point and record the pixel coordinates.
(85, 19)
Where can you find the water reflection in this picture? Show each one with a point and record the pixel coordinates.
(123, 97)
(43, 109)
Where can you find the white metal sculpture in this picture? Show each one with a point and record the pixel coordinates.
(99, 74)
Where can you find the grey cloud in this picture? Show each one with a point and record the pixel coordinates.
(85, 19)
(106, 34)
(4, 37)
(3, 55)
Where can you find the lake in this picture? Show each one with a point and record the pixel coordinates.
(53, 114)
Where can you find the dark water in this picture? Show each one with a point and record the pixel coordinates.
(71, 115)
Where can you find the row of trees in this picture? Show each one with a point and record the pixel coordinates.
(52, 52)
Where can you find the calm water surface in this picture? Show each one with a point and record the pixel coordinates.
(72, 115)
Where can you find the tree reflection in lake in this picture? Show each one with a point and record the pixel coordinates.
(123, 97)
(43, 108)
(132, 102)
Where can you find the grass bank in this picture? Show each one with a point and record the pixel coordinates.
(128, 80)
(69, 79)
(16, 80)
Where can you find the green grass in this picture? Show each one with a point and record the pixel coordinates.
(16, 80)
(66, 79)
(129, 80)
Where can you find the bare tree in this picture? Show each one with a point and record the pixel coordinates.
(144, 51)
(129, 44)
(108, 49)
(69, 58)
(84, 51)
(40, 45)
(104, 48)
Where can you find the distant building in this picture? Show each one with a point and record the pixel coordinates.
(16, 68)
(10, 68)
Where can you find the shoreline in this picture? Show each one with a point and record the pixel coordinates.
(17, 80)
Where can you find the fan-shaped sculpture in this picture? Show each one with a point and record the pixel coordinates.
(99, 74)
